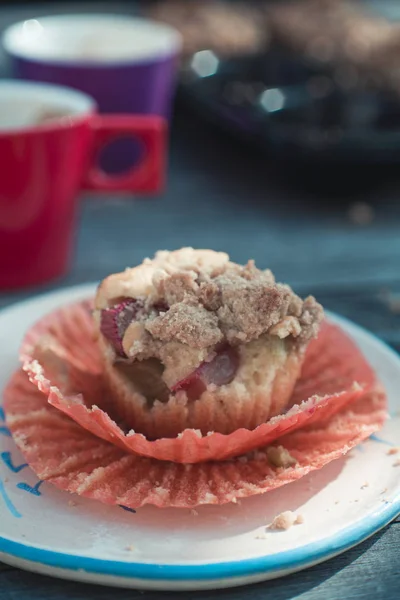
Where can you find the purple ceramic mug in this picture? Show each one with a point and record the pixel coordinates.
(127, 64)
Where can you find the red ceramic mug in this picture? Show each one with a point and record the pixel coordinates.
(50, 141)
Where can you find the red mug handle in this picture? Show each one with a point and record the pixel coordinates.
(146, 176)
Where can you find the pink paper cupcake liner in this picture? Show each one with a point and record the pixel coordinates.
(67, 368)
(63, 453)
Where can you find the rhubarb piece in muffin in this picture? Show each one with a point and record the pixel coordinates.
(193, 340)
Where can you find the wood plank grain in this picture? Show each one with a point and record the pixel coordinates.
(4, 567)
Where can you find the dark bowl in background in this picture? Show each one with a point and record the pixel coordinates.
(294, 108)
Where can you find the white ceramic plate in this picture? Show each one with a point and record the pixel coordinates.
(42, 530)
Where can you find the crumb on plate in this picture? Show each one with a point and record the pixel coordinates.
(392, 451)
(285, 520)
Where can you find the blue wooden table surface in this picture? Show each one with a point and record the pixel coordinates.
(225, 196)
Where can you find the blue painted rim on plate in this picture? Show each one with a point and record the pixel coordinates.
(289, 560)
(283, 561)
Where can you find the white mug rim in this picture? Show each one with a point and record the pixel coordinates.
(171, 35)
(82, 105)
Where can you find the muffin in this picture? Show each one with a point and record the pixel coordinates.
(190, 339)
(222, 27)
(360, 46)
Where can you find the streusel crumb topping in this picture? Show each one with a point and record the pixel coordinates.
(200, 299)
